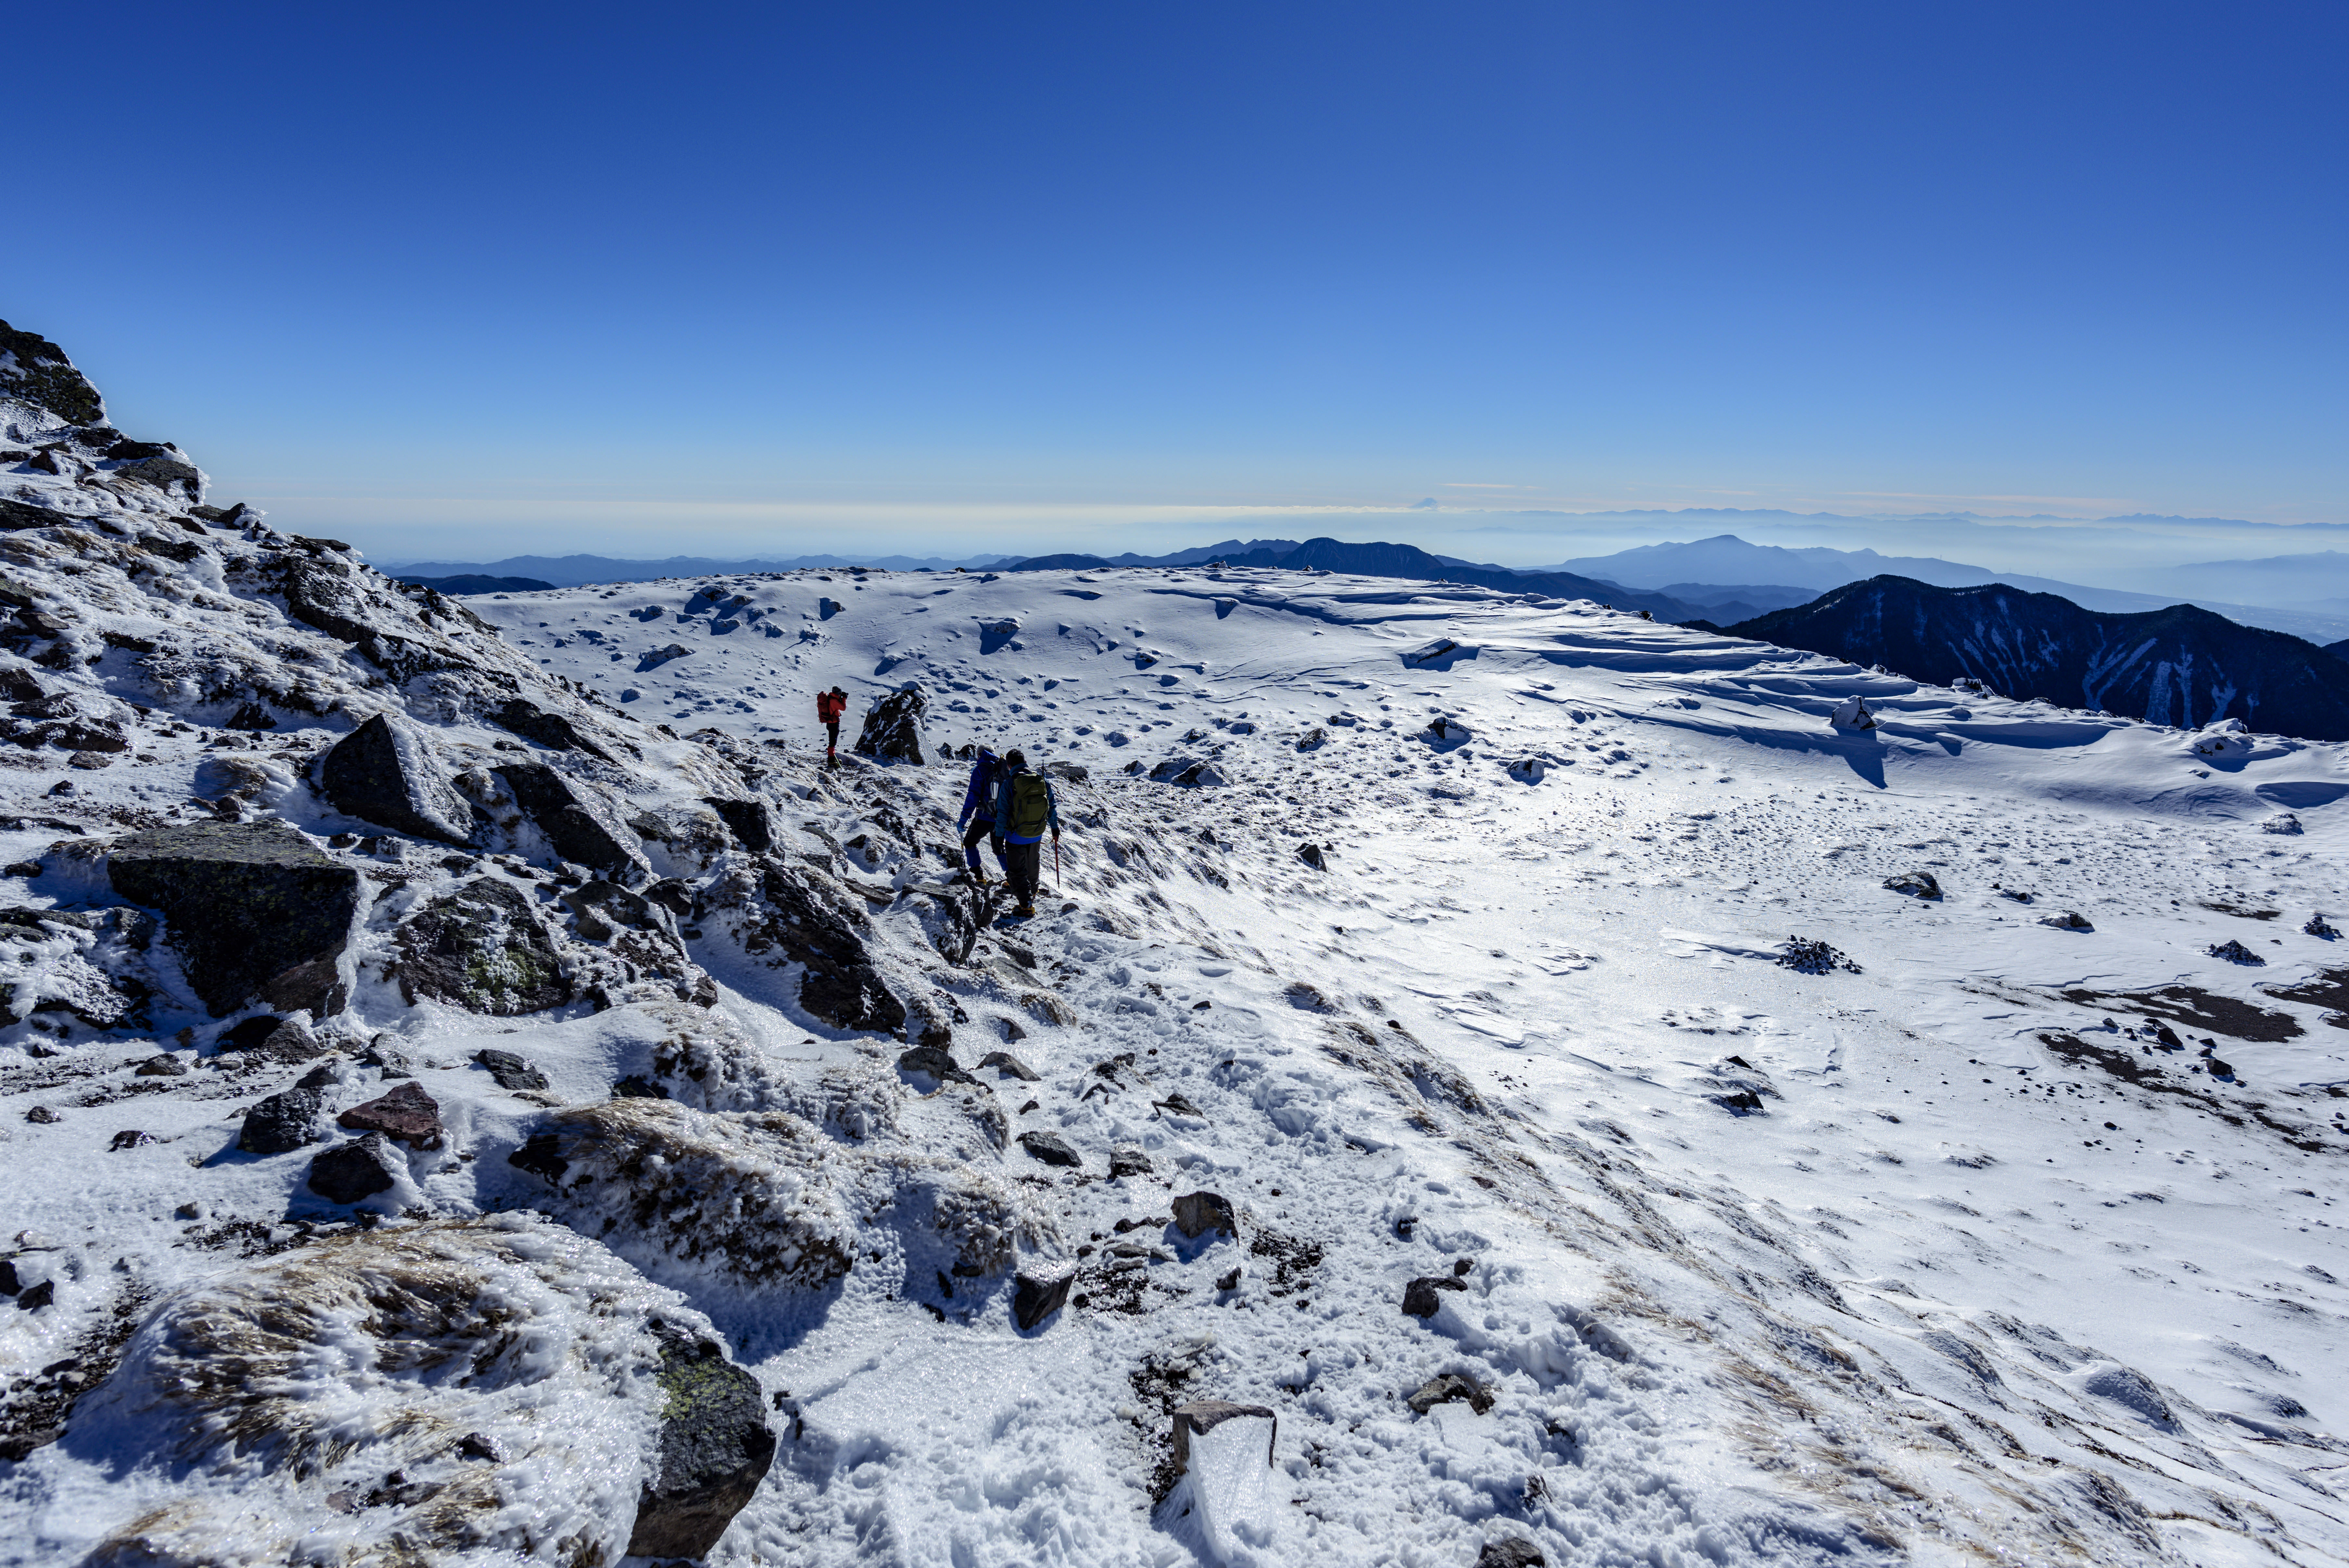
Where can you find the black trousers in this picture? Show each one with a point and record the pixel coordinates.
(1024, 865)
(981, 827)
(832, 736)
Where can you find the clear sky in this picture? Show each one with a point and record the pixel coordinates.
(462, 282)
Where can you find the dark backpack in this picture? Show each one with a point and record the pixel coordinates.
(1031, 806)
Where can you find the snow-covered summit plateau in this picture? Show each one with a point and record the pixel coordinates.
(1505, 1081)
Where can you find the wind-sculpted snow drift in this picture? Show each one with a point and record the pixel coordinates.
(1587, 1154)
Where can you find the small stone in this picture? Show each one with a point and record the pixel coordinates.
(1447, 1388)
(9, 1284)
(1006, 1064)
(2066, 920)
(406, 1114)
(192, 1209)
(935, 1062)
(165, 1065)
(1049, 1148)
(2219, 1069)
(1916, 883)
(1179, 1105)
(2236, 952)
(282, 1122)
(1460, 1267)
(1514, 1552)
(1311, 855)
(512, 1072)
(1197, 1213)
(540, 1156)
(1231, 1280)
(359, 1169)
(33, 1298)
(1033, 1300)
(41, 1116)
(1127, 1160)
(1420, 1298)
(474, 1446)
(25, 869)
(636, 1087)
(129, 1138)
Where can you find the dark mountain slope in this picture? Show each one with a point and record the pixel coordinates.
(2180, 666)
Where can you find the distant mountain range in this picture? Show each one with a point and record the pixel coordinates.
(2180, 665)
(1384, 560)
(1727, 559)
(476, 583)
(575, 571)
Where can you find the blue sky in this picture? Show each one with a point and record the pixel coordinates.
(466, 282)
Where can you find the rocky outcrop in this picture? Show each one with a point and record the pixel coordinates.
(34, 370)
(481, 1350)
(747, 820)
(482, 948)
(780, 915)
(245, 904)
(892, 729)
(384, 771)
(578, 822)
(553, 731)
(715, 1448)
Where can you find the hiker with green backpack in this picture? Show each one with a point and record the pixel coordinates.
(1024, 808)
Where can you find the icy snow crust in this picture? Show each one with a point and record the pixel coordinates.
(1759, 1265)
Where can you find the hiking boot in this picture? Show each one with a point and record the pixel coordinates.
(1026, 911)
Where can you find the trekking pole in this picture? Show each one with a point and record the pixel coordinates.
(1057, 878)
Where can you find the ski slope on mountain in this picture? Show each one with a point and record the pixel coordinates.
(1964, 1248)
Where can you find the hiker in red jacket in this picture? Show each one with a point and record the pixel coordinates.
(829, 706)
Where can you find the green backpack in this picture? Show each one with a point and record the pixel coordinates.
(1031, 806)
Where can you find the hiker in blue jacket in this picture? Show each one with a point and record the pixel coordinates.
(1024, 808)
(977, 818)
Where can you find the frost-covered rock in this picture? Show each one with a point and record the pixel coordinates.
(384, 771)
(1223, 1502)
(2226, 738)
(358, 1169)
(1916, 883)
(779, 915)
(1852, 713)
(249, 906)
(765, 1200)
(893, 726)
(577, 821)
(284, 1121)
(715, 1448)
(482, 948)
(340, 1403)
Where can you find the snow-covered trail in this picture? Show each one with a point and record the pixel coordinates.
(1921, 1261)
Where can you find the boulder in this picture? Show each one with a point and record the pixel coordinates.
(1421, 1297)
(1311, 855)
(244, 903)
(1127, 1160)
(1034, 1300)
(282, 1122)
(893, 728)
(933, 1061)
(577, 822)
(1197, 1213)
(1008, 1066)
(1049, 1148)
(482, 948)
(2067, 921)
(1447, 1388)
(406, 1114)
(512, 1072)
(782, 914)
(1916, 883)
(359, 1169)
(1511, 1552)
(715, 1448)
(747, 820)
(480, 1350)
(553, 731)
(2236, 952)
(164, 1066)
(384, 771)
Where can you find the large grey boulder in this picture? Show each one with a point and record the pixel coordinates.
(282, 1122)
(780, 915)
(577, 821)
(715, 1448)
(358, 1169)
(384, 771)
(893, 727)
(553, 731)
(246, 905)
(482, 948)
